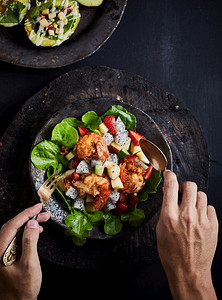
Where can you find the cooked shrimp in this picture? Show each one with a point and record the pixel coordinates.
(97, 186)
(132, 176)
(92, 146)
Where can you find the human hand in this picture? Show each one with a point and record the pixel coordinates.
(186, 239)
(22, 280)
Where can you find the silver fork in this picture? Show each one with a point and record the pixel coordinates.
(45, 191)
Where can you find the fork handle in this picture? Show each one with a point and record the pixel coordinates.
(14, 249)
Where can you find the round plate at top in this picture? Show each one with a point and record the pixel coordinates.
(145, 125)
(95, 27)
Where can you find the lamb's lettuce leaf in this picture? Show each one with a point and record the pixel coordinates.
(118, 111)
(95, 216)
(44, 155)
(91, 120)
(64, 134)
(153, 183)
(13, 12)
(112, 224)
(135, 216)
(150, 186)
(142, 195)
(80, 226)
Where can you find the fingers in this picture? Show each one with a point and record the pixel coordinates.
(43, 217)
(170, 191)
(12, 226)
(212, 216)
(29, 241)
(189, 194)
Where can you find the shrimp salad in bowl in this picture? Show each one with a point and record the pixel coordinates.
(105, 173)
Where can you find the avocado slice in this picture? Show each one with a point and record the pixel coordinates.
(51, 23)
(13, 12)
(90, 2)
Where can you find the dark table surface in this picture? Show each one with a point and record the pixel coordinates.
(177, 45)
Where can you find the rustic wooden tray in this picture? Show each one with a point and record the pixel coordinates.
(179, 126)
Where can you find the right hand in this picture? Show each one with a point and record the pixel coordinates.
(22, 280)
(187, 238)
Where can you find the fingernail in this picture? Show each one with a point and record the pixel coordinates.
(32, 224)
(38, 205)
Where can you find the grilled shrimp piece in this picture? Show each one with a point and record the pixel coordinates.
(92, 146)
(132, 176)
(97, 186)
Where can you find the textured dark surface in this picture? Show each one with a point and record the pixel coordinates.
(95, 27)
(178, 46)
(178, 126)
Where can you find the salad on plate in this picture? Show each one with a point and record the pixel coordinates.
(105, 173)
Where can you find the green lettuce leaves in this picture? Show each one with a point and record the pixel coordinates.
(12, 14)
(72, 122)
(118, 111)
(112, 224)
(36, 10)
(80, 226)
(81, 223)
(44, 155)
(91, 120)
(153, 183)
(64, 134)
(135, 216)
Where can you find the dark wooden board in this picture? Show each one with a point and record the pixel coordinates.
(179, 126)
(95, 27)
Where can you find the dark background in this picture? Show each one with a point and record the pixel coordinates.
(177, 45)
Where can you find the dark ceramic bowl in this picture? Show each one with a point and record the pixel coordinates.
(145, 125)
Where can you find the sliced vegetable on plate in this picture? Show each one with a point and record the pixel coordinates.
(90, 3)
(50, 23)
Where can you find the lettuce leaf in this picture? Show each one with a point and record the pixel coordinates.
(118, 111)
(142, 195)
(135, 216)
(44, 155)
(153, 183)
(64, 134)
(72, 122)
(112, 224)
(36, 10)
(80, 226)
(150, 186)
(12, 14)
(91, 120)
(95, 216)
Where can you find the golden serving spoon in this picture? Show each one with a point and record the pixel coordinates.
(153, 153)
